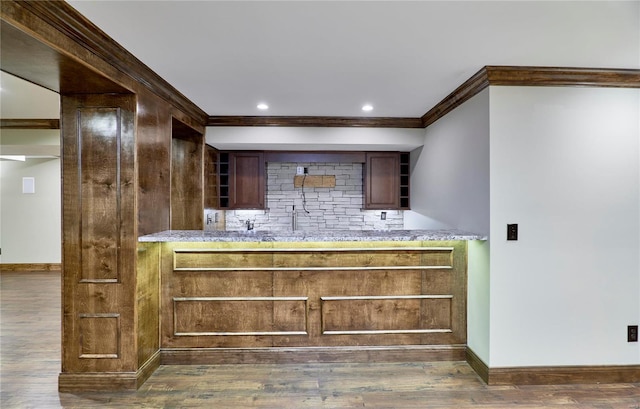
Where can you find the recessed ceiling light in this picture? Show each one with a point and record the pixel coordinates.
(367, 107)
(263, 106)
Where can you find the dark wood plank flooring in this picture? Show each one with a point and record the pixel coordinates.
(30, 363)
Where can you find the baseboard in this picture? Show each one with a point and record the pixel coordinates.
(477, 365)
(553, 375)
(28, 267)
(97, 381)
(108, 381)
(557, 375)
(148, 368)
(297, 355)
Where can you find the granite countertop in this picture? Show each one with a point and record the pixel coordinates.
(309, 236)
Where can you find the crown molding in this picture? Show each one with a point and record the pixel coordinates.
(460, 95)
(562, 76)
(531, 76)
(29, 123)
(66, 20)
(320, 121)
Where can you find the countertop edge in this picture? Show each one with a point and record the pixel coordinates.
(309, 236)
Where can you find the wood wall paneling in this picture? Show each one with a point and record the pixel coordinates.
(187, 173)
(153, 144)
(100, 171)
(148, 301)
(99, 233)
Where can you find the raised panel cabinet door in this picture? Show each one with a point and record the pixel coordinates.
(247, 179)
(382, 189)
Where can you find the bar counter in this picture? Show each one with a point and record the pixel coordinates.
(258, 296)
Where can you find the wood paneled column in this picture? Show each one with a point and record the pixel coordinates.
(99, 235)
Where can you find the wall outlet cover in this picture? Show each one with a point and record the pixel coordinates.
(300, 170)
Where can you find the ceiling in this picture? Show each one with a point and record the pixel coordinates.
(329, 58)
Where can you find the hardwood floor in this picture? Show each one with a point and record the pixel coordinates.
(30, 363)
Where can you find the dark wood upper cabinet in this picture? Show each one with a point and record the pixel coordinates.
(241, 180)
(241, 177)
(386, 180)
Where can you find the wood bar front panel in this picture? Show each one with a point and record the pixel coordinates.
(220, 295)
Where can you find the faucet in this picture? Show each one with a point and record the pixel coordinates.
(249, 224)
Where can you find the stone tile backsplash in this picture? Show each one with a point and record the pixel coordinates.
(314, 208)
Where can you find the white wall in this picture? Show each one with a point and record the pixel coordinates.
(30, 227)
(311, 138)
(450, 188)
(565, 167)
(450, 174)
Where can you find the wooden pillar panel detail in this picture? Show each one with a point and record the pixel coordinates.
(99, 336)
(99, 233)
(99, 170)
